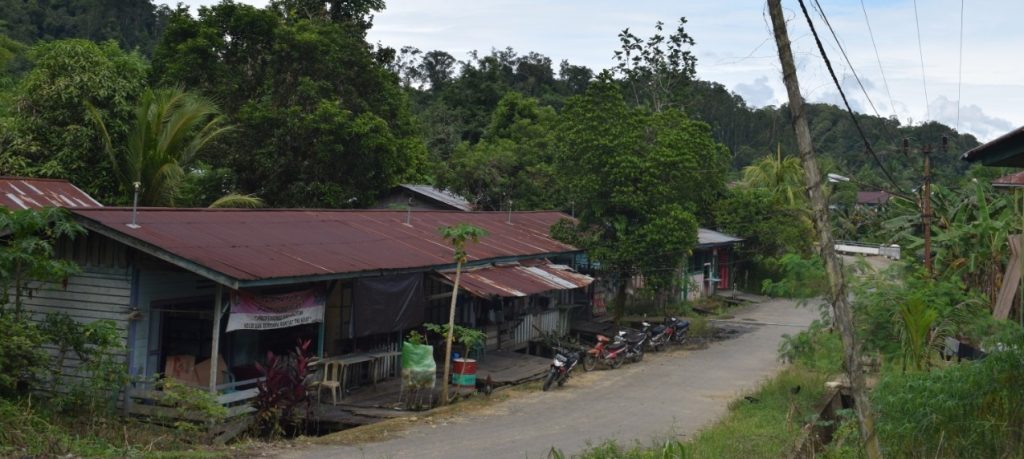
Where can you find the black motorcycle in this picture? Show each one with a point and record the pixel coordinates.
(673, 330)
(561, 366)
(635, 342)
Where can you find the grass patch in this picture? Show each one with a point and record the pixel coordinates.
(768, 427)
(27, 430)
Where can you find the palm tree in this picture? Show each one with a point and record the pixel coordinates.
(782, 176)
(171, 126)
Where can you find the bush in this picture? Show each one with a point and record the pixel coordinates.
(799, 277)
(817, 348)
(22, 359)
(968, 410)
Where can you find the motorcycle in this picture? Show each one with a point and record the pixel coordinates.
(561, 366)
(673, 330)
(680, 328)
(636, 342)
(615, 351)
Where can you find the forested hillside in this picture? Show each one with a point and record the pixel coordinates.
(321, 118)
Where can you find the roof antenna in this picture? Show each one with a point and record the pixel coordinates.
(408, 212)
(509, 211)
(135, 206)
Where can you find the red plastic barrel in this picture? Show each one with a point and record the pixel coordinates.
(464, 375)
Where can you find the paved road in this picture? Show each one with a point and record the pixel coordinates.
(672, 393)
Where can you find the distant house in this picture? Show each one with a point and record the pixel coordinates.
(873, 198)
(423, 197)
(19, 193)
(710, 266)
(188, 287)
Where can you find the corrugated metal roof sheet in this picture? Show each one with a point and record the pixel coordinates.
(19, 193)
(248, 245)
(710, 238)
(518, 279)
(1010, 181)
(442, 196)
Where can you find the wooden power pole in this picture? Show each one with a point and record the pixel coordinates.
(812, 174)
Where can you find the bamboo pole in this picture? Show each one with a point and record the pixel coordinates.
(837, 287)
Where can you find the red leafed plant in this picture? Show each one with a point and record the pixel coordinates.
(282, 393)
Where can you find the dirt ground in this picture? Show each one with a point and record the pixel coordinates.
(673, 393)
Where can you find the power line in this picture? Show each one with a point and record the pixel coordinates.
(960, 76)
(824, 18)
(920, 53)
(828, 64)
(821, 11)
(885, 82)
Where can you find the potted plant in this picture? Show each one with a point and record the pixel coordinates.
(464, 373)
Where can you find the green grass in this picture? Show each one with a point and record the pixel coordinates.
(28, 430)
(763, 429)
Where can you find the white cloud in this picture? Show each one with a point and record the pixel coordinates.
(756, 94)
(971, 118)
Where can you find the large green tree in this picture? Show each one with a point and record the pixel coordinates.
(46, 127)
(321, 121)
(637, 180)
(513, 162)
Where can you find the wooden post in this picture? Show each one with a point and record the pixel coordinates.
(215, 342)
(926, 212)
(837, 287)
(448, 340)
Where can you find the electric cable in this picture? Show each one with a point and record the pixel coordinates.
(849, 110)
(881, 70)
(920, 53)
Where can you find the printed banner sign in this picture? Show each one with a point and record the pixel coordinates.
(266, 312)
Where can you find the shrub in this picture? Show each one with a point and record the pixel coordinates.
(799, 277)
(971, 409)
(283, 392)
(816, 348)
(22, 359)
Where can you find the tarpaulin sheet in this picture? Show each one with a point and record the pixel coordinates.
(387, 304)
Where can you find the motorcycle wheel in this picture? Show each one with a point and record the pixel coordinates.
(640, 355)
(660, 346)
(561, 381)
(619, 358)
(552, 374)
(589, 362)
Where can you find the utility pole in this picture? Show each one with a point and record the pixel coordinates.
(926, 210)
(926, 201)
(837, 287)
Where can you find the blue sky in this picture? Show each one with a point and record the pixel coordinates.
(734, 47)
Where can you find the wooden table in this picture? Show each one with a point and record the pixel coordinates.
(374, 358)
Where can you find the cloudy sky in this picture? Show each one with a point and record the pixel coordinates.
(735, 47)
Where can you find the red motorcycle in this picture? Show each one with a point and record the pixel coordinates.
(614, 352)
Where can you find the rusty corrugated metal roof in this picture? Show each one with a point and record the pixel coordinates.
(242, 246)
(19, 193)
(518, 279)
(1010, 181)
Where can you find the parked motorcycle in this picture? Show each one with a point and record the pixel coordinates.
(636, 342)
(673, 330)
(613, 352)
(607, 352)
(561, 366)
(680, 329)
